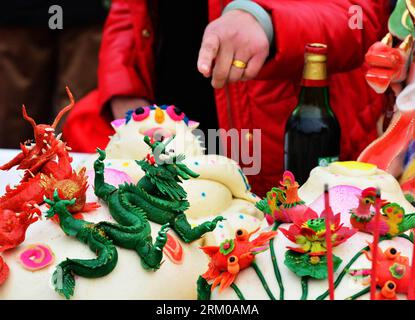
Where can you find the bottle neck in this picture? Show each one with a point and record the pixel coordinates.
(314, 96)
(314, 84)
(315, 71)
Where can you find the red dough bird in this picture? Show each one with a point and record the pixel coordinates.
(393, 220)
(234, 255)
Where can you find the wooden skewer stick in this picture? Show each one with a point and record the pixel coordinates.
(329, 244)
(375, 244)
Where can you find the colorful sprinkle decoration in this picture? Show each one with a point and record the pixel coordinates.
(36, 257)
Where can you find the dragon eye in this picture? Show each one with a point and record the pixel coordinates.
(175, 113)
(241, 234)
(391, 253)
(232, 259)
(390, 285)
(141, 113)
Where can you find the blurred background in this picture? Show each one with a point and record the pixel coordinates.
(37, 62)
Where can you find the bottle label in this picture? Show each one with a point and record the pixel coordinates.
(324, 162)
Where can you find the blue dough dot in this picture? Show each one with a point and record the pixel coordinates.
(221, 226)
(109, 164)
(203, 194)
(241, 216)
(196, 163)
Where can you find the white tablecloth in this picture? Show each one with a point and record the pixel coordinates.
(12, 177)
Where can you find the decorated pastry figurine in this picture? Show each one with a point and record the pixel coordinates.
(308, 258)
(389, 66)
(393, 221)
(281, 204)
(157, 122)
(63, 278)
(46, 162)
(158, 196)
(233, 256)
(393, 272)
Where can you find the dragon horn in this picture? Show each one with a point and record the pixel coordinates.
(406, 45)
(66, 109)
(388, 40)
(27, 118)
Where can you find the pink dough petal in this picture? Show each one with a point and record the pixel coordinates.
(36, 257)
(112, 176)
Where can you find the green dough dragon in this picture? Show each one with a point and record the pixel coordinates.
(158, 196)
(100, 238)
(88, 233)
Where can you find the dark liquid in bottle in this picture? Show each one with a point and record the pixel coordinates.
(310, 139)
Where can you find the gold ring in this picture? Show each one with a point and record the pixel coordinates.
(239, 64)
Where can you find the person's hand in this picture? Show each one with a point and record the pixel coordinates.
(236, 35)
(120, 105)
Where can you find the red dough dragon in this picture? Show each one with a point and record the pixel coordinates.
(47, 166)
(47, 155)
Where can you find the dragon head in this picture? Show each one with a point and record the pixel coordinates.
(387, 64)
(57, 205)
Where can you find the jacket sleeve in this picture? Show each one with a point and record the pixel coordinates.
(117, 70)
(298, 22)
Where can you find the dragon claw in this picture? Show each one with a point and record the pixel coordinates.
(214, 222)
(165, 228)
(162, 237)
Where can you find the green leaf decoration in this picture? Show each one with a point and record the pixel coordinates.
(302, 266)
(397, 270)
(227, 246)
(63, 281)
(203, 289)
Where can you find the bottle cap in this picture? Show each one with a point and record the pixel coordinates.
(315, 73)
(316, 48)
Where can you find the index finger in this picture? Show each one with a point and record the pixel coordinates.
(208, 52)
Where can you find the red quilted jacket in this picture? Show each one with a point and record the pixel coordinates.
(127, 64)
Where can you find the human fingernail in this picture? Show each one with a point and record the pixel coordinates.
(204, 67)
